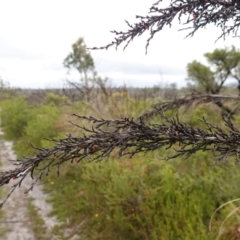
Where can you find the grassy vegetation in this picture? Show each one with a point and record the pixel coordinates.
(138, 198)
(143, 198)
(3, 228)
(37, 223)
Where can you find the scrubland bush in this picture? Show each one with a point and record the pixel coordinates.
(143, 198)
(25, 124)
(15, 115)
(56, 99)
(138, 198)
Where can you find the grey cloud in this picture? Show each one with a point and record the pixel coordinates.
(110, 66)
(53, 66)
(9, 51)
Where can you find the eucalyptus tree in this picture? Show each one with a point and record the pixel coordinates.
(81, 60)
(222, 65)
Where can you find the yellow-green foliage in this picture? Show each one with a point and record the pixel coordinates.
(142, 198)
(139, 198)
(55, 99)
(41, 126)
(119, 105)
(15, 115)
(26, 124)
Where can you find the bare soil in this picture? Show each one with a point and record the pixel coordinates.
(16, 218)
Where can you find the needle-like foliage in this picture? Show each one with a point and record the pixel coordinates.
(192, 14)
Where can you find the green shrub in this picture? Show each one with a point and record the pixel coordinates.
(42, 125)
(55, 99)
(131, 199)
(15, 116)
(142, 199)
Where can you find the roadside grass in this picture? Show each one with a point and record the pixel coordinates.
(37, 223)
(3, 228)
(40, 231)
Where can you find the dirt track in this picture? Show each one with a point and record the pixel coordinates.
(16, 218)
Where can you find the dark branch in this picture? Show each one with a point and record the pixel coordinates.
(198, 13)
(130, 137)
(187, 101)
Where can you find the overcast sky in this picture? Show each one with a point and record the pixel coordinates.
(36, 36)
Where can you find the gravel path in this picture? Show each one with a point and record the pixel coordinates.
(15, 208)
